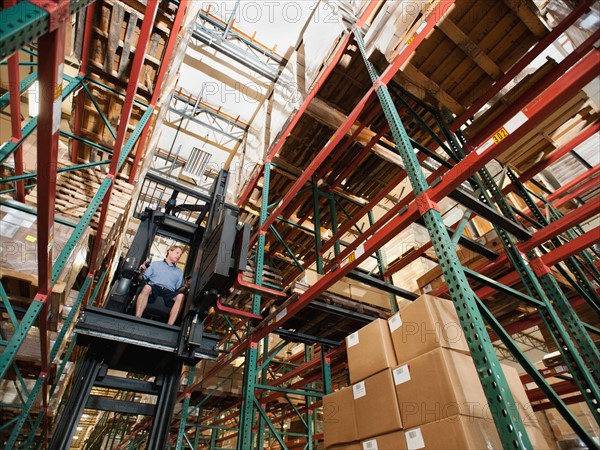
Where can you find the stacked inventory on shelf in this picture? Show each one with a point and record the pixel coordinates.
(414, 385)
(460, 54)
(318, 158)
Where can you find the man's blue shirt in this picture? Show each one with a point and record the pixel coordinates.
(163, 274)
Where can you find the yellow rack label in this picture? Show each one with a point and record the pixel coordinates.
(500, 135)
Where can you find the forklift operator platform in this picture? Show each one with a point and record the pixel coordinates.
(164, 285)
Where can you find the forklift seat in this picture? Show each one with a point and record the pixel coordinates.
(156, 309)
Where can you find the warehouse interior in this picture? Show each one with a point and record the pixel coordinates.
(415, 260)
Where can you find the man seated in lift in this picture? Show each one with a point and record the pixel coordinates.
(164, 282)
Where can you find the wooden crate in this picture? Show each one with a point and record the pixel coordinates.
(115, 36)
(93, 126)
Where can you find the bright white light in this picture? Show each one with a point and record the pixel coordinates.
(33, 94)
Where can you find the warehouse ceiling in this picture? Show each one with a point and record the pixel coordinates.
(235, 54)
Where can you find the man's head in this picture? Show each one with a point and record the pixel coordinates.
(174, 253)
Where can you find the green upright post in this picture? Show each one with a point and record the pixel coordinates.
(214, 435)
(245, 441)
(334, 222)
(382, 265)
(510, 427)
(308, 355)
(326, 365)
(185, 410)
(263, 379)
(317, 224)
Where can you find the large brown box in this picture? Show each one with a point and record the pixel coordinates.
(339, 422)
(441, 383)
(370, 350)
(351, 446)
(523, 404)
(376, 405)
(428, 323)
(456, 432)
(537, 438)
(390, 441)
(564, 433)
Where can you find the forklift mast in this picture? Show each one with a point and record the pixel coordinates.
(114, 339)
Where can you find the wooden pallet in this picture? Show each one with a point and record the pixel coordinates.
(115, 36)
(76, 189)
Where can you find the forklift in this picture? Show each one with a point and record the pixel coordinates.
(112, 338)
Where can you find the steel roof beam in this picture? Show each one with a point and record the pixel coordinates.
(213, 40)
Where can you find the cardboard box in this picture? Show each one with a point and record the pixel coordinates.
(428, 323)
(376, 405)
(370, 350)
(538, 439)
(439, 384)
(390, 441)
(351, 446)
(523, 404)
(339, 421)
(546, 430)
(352, 289)
(456, 432)
(563, 432)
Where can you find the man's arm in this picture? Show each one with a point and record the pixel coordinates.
(186, 285)
(148, 272)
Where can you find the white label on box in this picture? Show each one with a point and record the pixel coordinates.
(395, 322)
(401, 374)
(281, 314)
(414, 439)
(352, 340)
(370, 445)
(359, 390)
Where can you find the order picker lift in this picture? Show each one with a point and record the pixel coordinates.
(114, 339)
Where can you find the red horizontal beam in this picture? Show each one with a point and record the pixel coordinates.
(561, 388)
(576, 217)
(555, 155)
(536, 112)
(572, 248)
(551, 231)
(405, 261)
(574, 182)
(567, 401)
(585, 188)
(550, 259)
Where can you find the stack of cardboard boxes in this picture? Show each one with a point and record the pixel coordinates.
(414, 385)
